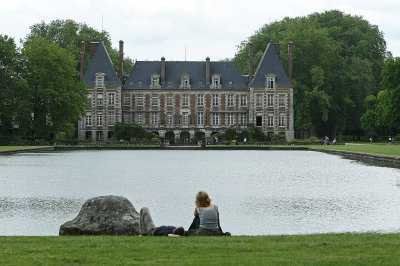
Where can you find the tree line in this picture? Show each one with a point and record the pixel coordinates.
(339, 66)
(41, 95)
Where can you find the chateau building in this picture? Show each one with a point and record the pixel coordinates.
(180, 100)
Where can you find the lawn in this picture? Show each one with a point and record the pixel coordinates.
(379, 148)
(10, 148)
(326, 249)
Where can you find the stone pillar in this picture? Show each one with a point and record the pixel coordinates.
(162, 70)
(121, 60)
(208, 71)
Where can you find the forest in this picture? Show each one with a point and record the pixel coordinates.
(345, 82)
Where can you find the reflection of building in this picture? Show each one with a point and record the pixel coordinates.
(186, 99)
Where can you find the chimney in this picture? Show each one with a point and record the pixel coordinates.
(121, 60)
(208, 70)
(82, 58)
(277, 47)
(162, 70)
(93, 48)
(250, 61)
(290, 54)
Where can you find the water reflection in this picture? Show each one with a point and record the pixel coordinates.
(258, 192)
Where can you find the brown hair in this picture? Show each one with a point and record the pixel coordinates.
(202, 199)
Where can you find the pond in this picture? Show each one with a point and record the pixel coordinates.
(258, 192)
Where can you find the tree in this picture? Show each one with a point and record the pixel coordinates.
(57, 100)
(68, 34)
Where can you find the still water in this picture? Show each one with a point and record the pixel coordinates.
(258, 192)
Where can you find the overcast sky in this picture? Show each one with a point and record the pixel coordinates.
(151, 29)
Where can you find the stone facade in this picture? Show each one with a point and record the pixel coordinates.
(185, 100)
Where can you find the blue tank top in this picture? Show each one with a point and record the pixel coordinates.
(208, 218)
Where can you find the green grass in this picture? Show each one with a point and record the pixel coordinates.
(327, 249)
(10, 148)
(380, 149)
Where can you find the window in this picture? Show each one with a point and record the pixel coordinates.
(154, 100)
(170, 102)
(88, 120)
(282, 100)
(140, 100)
(215, 100)
(282, 120)
(270, 121)
(258, 121)
(127, 99)
(99, 135)
(99, 99)
(185, 118)
(111, 99)
(259, 99)
(215, 119)
(111, 118)
(200, 118)
(139, 118)
(243, 100)
(243, 119)
(155, 81)
(154, 119)
(170, 119)
(185, 100)
(231, 119)
(185, 82)
(230, 100)
(126, 118)
(100, 80)
(216, 81)
(270, 100)
(270, 82)
(200, 100)
(99, 119)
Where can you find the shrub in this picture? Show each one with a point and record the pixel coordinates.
(309, 141)
(278, 139)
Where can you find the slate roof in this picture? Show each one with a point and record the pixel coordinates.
(101, 63)
(228, 71)
(270, 63)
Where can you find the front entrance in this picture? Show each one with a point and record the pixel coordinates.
(185, 137)
(170, 137)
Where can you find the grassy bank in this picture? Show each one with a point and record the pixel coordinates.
(380, 149)
(328, 249)
(11, 148)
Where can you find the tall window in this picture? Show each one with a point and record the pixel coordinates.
(200, 100)
(154, 119)
(126, 118)
(259, 99)
(216, 81)
(127, 99)
(215, 100)
(270, 100)
(111, 118)
(243, 119)
(99, 99)
(170, 102)
(154, 100)
(243, 100)
(155, 81)
(139, 118)
(99, 119)
(185, 82)
(170, 119)
(100, 81)
(270, 121)
(282, 120)
(230, 100)
(111, 99)
(200, 118)
(215, 119)
(185, 100)
(88, 120)
(185, 118)
(140, 100)
(231, 119)
(282, 100)
(270, 82)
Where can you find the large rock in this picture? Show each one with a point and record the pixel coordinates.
(105, 215)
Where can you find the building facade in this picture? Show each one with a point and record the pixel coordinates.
(181, 100)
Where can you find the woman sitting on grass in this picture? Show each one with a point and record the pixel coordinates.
(207, 215)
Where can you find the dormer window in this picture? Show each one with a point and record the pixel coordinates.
(185, 82)
(270, 81)
(216, 81)
(100, 80)
(155, 81)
